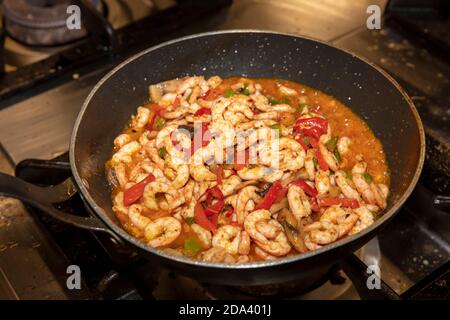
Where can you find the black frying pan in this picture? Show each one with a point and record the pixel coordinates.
(368, 90)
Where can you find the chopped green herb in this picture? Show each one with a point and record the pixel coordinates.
(273, 100)
(331, 144)
(337, 155)
(228, 93)
(348, 175)
(159, 123)
(162, 152)
(245, 90)
(368, 177)
(192, 246)
(190, 220)
(316, 163)
(276, 127)
(306, 140)
(285, 100)
(302, 107)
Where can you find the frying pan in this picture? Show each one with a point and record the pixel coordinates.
(366, 89)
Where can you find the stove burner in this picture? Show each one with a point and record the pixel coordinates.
(42, 22)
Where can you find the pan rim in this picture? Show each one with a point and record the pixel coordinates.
(260, 264)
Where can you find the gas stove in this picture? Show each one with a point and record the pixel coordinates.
(43, 87)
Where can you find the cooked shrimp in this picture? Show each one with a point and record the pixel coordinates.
(344, 219)
(229, 185)
(162, 231)
(298, 202)
(287, 91)
(141, 119)
(292, 155)
(320, 233)
(230, 238)
(198, 169)
(345, 187)
(322, 181)
(122, 140)
(245, 195)
(343, 145)
(365, 219)
(267, 232)
(203, 235)
(262, 254)
(124, 154)
(216, 254)
(136, 217)
(329, 157)
(150, 193)
(309, 164)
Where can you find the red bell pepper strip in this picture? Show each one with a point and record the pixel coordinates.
(211, 94)
(132, 194)
(320, 159)
(219, 174)
(211, 194)
(345, 202)
(201, 219)
(311, 191)
(314, 205)
(202, 111)
(155, 111)
(177, 102)
(229, 212)
(312, 127)
(271, 196)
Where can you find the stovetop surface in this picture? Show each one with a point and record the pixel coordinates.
(37, 124)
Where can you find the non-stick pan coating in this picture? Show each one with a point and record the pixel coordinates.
(370, 93)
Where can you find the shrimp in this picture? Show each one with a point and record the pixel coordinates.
(214, 81)
(153, 153)
(363, 188)
(267, 233)
(287, 91)
(229, 238)
(329, 157)
(141, 118)
(262, 254)
(229, 185)
(150, 192)
(136, 217)
(182, 173)
(343, 145)
(345, 187)
(245, 195)
(365, 219)
(122, 140)
(118, 205)
(203, 235)
(216, 254)
(322, 181)
(283, 108)
(269, 115)
(162, 231)
(177, 113)
(320, 233)
(124, 154)
(309, 164)
(292, 155)
(189, 83)
(379, 195)
(255, 124)
(119, 174)
(175, 198)
(198, 169)
(344, 219)
(298, 202)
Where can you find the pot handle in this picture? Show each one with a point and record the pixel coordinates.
(43, 197)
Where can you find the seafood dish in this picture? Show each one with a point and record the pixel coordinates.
(237, 170)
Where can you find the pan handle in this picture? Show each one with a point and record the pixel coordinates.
(43, 197)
